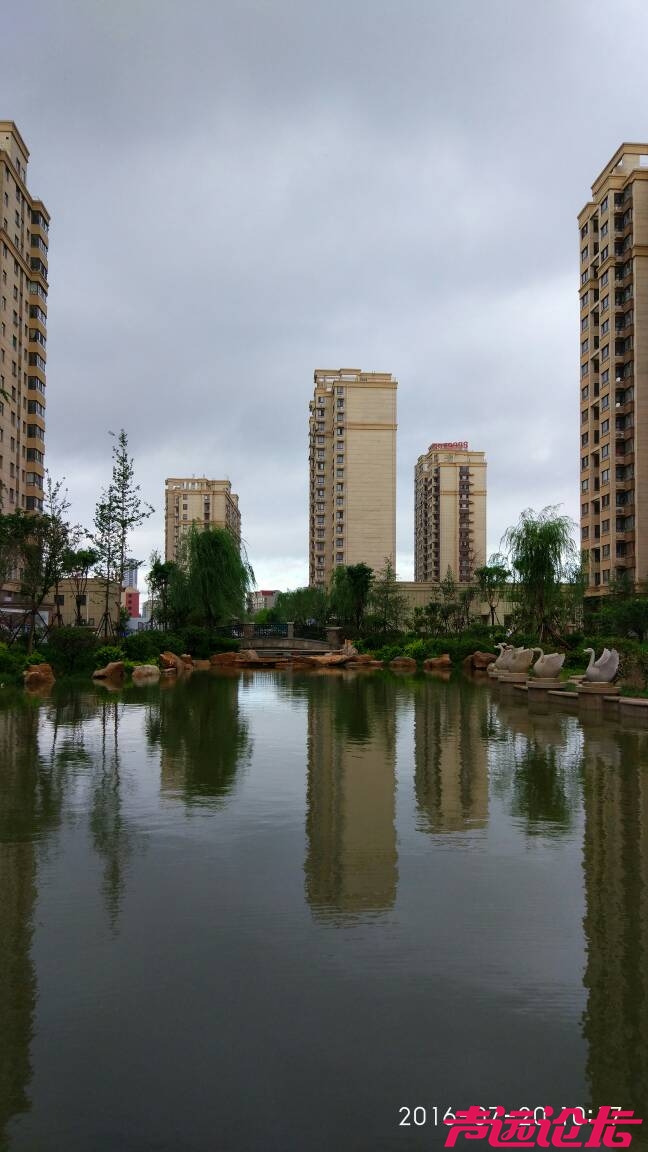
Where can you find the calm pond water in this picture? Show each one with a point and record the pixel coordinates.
(270, 911)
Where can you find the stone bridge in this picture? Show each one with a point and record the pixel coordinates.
(281, 638)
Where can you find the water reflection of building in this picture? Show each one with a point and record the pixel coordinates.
(351, 862)
(202, 736)
(616, 919)
(20, 812)
(451, 757)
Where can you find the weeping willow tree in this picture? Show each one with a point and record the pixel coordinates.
(211, 580)
(541, 553)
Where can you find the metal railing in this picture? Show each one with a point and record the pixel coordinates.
(270, 629)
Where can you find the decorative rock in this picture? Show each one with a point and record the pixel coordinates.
(146, 674)
(438, 663)
(172, 663)
(201, 665)
(38, 676)
(404, 663)
(247, 656)
(112, 671)
(359, 663)
(482, 660)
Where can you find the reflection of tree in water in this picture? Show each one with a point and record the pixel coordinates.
(351, 859)
(450, 756)
(201, 735)
(536, 757)
(112, 836)
(615, 861)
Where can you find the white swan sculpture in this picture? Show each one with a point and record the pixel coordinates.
(503, 649)
(548, 666)
(603, 670)
(521, 660)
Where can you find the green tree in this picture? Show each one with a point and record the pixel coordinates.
(159, 581)
(491, 581)
(42, 547)
(63, 536)
(120, 510)
(360, 579)
(210, 583)
(388, 604)
(540, 550)
(303, 605)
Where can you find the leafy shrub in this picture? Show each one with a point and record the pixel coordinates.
(12, 665)
(71, 650)
(107, 654)
(144, 647)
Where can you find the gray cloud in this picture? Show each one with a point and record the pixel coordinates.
(242, 192)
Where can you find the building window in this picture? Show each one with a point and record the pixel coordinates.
(605, 527)
(584, 485)
(605, 476)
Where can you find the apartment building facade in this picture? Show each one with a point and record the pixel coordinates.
(196, 500)
(352, 471)
(613, 238)
(24, 230)
(449, 512)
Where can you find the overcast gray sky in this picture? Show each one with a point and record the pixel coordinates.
(242, 192)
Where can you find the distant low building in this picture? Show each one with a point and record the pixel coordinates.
(92, 603)
(131, 602)
(263, 598)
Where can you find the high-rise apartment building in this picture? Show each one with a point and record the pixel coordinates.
(24, 224)
(196, 500)
(613, 229)
(352, 455)
(449, 512)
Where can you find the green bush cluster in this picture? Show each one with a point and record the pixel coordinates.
(72, 650)
(14, 661)
(145, 647)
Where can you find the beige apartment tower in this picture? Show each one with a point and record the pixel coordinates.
(24, 224)
(196, 500)
(613, 229)
(352, 458)
(449, 512)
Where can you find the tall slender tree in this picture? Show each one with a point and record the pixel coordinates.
(120, 510)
